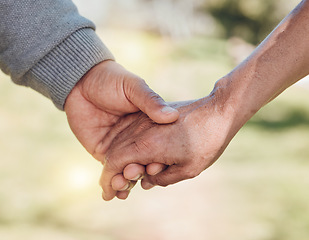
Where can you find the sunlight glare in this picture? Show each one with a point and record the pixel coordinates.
(80, 178)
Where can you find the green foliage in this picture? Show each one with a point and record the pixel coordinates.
(201, 49)
(251, 20)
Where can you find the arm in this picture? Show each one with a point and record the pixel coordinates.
(48, 46)
(206, 126)
(278, 62)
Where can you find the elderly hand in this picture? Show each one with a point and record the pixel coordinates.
(105, 95)
(186, 147)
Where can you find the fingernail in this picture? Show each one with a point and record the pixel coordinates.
(168, 109)
(138, 177)
(148, 185)
(125, 187)
(156, 172)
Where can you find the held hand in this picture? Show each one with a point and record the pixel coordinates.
(186, 147)
(105, 95)
(122, 183)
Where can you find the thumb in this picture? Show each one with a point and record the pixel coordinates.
(150, 102)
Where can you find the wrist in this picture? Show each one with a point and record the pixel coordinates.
(234, 102)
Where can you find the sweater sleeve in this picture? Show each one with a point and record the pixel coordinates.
(47, 45)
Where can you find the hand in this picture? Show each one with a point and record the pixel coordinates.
(186, 147)
(123, 183)
(102, 98)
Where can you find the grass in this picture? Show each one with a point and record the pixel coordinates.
(256, 191)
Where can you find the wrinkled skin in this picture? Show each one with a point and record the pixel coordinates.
(105, 95)
(185, 148)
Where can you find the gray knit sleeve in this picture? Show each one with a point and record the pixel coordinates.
(47, 45)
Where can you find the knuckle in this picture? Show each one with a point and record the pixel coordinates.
(153, 97)
(160, 182)
(190, 173)
(141, 81)
(138, 82)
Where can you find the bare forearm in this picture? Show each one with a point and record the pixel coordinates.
(281, 60)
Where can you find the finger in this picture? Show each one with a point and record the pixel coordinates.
(126, 185)
(134, 171)
(146, 185)
(106, 183)
(116, 163)
(122, 195)
(122, 124)
(155, 168)
(170, 175)
(119, 183)
(151, 103)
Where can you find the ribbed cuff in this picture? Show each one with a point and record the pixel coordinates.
(57, 73)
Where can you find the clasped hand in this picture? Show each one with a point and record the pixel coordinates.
(134, 133)
(170, 152)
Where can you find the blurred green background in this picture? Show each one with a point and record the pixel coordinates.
(258, 190)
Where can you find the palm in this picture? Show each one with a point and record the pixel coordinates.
(90, 124)
(95, 105)
(102, 97)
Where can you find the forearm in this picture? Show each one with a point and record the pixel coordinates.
(281, 60)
